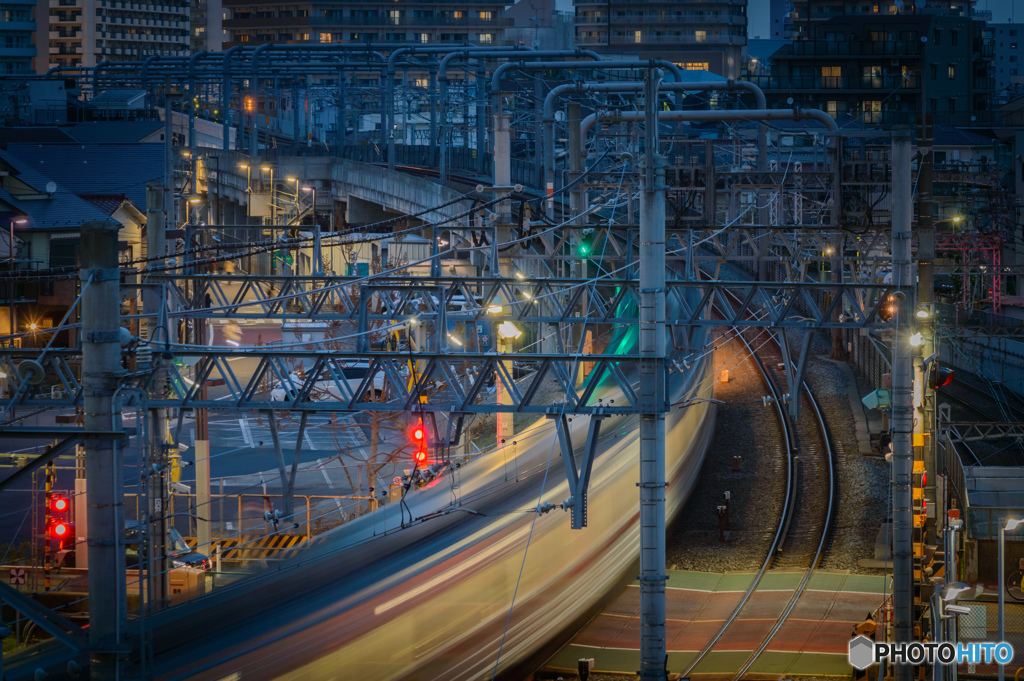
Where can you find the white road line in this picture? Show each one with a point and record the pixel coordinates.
(327, 478)
(309, 441)
(246, 432)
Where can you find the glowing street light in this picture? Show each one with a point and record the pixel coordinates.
(509, 331)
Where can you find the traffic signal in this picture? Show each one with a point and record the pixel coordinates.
(586, 244)
(59, 526)
(418, 436)
(888, 309)
(59, 504)
(940, 377)
(248, 104)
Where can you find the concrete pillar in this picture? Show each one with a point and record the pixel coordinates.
(902, 400)
(104, 458)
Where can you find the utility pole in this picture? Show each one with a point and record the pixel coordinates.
(104, 457)
(926, 324)
(158, 332)
(652, 394)
(902, 400)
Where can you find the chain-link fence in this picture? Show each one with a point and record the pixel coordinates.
(981, 624)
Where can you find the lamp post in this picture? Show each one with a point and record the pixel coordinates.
(10, 271)
(1005, 525)
(273, 213)
(318, 259)
(248, 189)
(507, 332)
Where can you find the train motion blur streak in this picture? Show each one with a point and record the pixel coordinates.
(431, 601)
(371, 600)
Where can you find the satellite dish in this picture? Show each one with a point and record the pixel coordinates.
(31, 372)
(51, 187)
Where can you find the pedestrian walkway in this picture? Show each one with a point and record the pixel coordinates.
(813, 641)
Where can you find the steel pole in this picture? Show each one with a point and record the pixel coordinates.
(1001, 586)
(902, 401)
(652, 396)
(157, 334)
(104, 460)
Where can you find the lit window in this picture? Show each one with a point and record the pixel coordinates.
(424, 37)
(700, 36)
(395, 16)
(952, 72)
(638, 36)
(325, 37)
(422, 82)
(485, 38)
(458, 14)
(486, 16)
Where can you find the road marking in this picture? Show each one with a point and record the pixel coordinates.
(246, 432)
(309, 440)
(327, 478)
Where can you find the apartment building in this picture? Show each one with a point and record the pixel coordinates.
(85, 32)
(19, 49)
(697, 34)
(481, 22)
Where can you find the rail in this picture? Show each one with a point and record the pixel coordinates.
(782, 531)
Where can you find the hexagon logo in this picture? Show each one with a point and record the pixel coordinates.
(862, 652)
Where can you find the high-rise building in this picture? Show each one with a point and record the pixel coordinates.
(18, 48)
(405, 21)
(1008, 65)
(697, 34)
(85, 32)
(882, 64)
(781, 17)
(207, 25)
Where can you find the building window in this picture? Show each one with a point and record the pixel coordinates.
(243, 38)
(700, 36)
(832, 108)
(694, 65)
(422, 82)
(486, 16)
(458, 14)
(954, 38)
(485, 38)
(638, 36)
(952, 72)
(952, 106)
(424, 37)
(395, 16)
(935, 71)
(936, 34)
(304, 36)
(325, 37)
(872, 110)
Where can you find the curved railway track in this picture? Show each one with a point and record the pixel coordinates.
(805, 528)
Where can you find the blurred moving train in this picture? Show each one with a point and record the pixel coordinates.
(462, 580)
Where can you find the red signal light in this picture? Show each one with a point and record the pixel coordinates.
(59, 504)
(419, 442)
(60, 530)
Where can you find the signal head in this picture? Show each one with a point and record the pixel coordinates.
(59, 503)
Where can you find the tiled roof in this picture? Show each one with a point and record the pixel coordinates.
(108, 203)
(63, 209)
(34, 135)
(97, 168)
(113, 132)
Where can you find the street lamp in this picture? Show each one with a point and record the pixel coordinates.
(507, 332)
(318, 261)
(270, 169)
(248, 189)
(1005, 525)
(10, 270)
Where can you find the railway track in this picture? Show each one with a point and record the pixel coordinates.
(804, 532)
